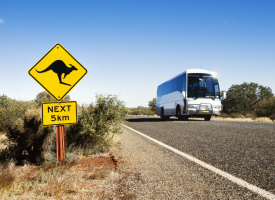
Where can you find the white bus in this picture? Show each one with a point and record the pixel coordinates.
(193, 93)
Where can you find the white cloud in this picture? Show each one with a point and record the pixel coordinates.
(1, 21)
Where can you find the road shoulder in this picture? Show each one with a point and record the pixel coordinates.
(158, 173)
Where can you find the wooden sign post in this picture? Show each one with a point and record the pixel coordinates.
(60, 143)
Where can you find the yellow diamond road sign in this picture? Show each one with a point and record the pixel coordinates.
(58, 72)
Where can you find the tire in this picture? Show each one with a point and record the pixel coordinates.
(184, 117)
(162, 115)
(207, 118)
(181, 117)
(178, 113)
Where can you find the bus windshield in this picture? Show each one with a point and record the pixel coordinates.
(203, 85)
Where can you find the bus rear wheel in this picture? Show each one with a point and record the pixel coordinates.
(207, 118)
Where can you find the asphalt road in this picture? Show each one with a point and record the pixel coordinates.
(243, 149)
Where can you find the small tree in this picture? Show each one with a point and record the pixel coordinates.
(244, 98)
(153, 104)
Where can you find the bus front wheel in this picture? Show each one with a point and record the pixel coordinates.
(207, 118)
(178, 113)
(184, 117)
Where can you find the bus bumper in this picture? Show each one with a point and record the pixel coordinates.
(202, 113)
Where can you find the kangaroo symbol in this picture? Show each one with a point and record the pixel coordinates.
(59, 68)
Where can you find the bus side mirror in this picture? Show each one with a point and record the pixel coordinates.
(183, 94)
(224, 96)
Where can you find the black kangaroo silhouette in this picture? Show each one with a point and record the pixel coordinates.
(59, 68)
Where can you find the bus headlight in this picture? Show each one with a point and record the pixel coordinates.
(217, 107)
(193, 107)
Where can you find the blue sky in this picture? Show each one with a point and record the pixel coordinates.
(130, 47)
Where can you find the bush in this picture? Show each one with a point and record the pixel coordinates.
(266, 108)
(21, 121)
(224, 115)
(236, 115)
(97, 123)
(272, 117)
(13, 111)
(250, 115)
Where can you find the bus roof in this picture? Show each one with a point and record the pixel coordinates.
(200, 71)
(188, 71)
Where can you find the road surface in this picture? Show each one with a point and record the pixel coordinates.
(242, 149)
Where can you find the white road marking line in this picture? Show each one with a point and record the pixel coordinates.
(232, 178)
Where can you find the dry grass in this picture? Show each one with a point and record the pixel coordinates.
(3, 141)
(93, 177)
(260, 119)
(79, 177)
(263, 119)
(240, 119)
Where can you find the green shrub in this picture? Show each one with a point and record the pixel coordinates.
(266, 108)
(21, 121)
(12, 111)
(97, 123)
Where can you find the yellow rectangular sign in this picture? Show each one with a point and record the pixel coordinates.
(59, 113)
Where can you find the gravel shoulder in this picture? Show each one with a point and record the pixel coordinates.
(158, 173)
